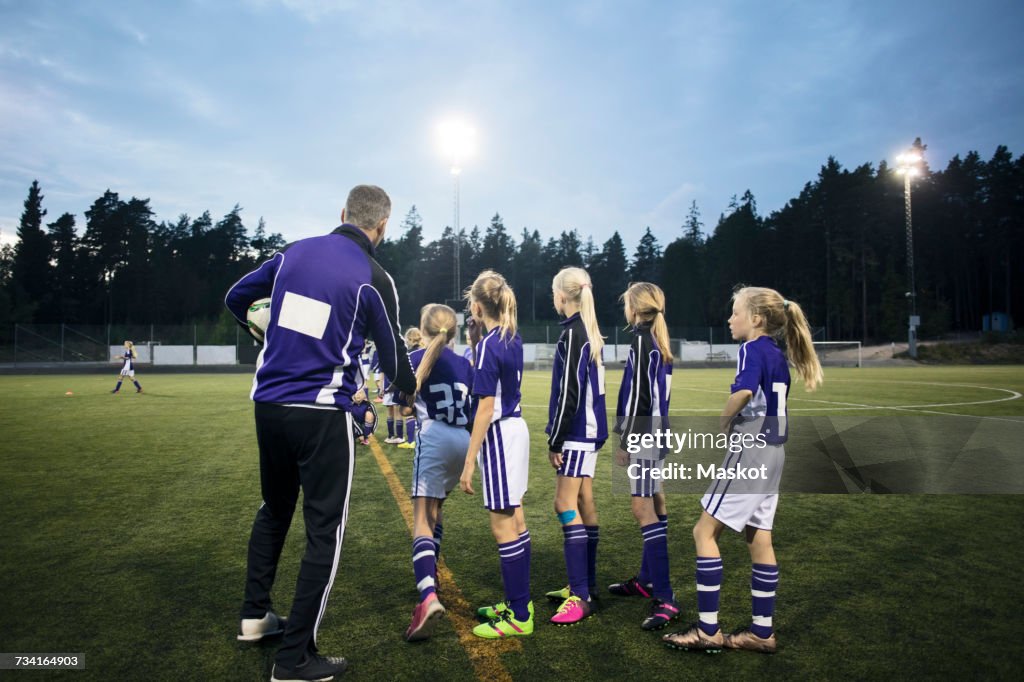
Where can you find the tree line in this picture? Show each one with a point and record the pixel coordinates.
(838, 247)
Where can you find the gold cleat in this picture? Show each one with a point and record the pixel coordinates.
(747, 640)
(696, 639)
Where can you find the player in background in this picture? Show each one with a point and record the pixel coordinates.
(500, 445)
(414, 340)
(378, 379)
(442, 405)
(761, 318)
(128, 369)
(472, 338)
(642, 408)
(364, 366)
(577, 428)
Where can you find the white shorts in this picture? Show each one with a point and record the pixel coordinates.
(740, 509)
(504, 462)
(440, 456)
(578, 463)
(644, 485)
(127, 371)
(389, 399)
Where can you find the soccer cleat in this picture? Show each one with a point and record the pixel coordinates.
(559, 595)
(255, 629)
(138, 390)
(114, 391)
(572, 611)
(696, 639)
(662, 613)
(494, 612)
(424, 619)
(748, 641)
(505, 625)
(394, 440)
(315, 667)
(631, 588)
(406, 445)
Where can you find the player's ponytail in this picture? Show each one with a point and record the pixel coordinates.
(131, 349)
(785, 321)
(437, 325)
(647, 303)
(575, 285)
(496, 297)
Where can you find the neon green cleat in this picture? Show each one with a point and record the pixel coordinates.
(494, 612)
(505, 626)
(559, 595)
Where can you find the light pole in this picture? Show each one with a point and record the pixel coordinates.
(458, 141)
(909, 166)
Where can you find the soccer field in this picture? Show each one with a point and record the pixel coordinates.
(126, 518)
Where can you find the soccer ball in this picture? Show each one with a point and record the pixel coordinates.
(258, 318)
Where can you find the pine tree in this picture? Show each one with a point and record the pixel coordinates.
(30, 270)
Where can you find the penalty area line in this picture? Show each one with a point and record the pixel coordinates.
(483, 654)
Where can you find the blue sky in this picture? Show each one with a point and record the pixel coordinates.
(595, 115)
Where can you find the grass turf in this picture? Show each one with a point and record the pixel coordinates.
(126, 517)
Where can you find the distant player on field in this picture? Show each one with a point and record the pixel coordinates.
(413, 341)
(577, 428)
(128, 369)
(642, 409)
(442, 405)
(500, 445)
(760, 319)
(328, 294)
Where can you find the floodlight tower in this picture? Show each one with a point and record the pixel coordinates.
(909, 166)
(458, 141)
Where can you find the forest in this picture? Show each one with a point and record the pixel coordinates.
(838, 247)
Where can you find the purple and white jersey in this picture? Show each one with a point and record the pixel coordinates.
(327, 296)
(444, 396)
(499, 373)
(646, 386)
(761, 368)
(576, 411)
(129, 360)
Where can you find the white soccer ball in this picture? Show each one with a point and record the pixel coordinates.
(258, 318)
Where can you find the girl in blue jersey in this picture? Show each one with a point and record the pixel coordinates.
(577, 428)
(396, 422)
(500, 444)
(413, 341)
(442, 405)
(128, 369)
(761, 318)
(643, 409)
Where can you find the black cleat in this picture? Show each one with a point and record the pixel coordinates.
(316, 668)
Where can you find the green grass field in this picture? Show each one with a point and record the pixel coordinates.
(125, 520)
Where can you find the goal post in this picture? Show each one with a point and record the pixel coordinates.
(839, 353)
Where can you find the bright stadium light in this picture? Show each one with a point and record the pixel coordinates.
(908, 165)
(457, 142)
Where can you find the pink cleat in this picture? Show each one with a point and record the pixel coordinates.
(572, 611)
(424, 619)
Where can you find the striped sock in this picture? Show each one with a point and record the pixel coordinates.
(391, 428)
(438, 536)
(592, 538)
(656, 555)
(525, 536)
(398, 428)
(575, 547)
(410, 430)
(764, 578)
(709, 584)
(424, 565)
(515, 574)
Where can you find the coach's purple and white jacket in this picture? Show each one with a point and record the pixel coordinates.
(327, 295)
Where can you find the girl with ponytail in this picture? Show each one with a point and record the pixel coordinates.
(643, 409)
(128, 369)
(577, 428)
(441, 404)
(761, 319)
(500, 445)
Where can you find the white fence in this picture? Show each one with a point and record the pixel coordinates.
(179, 355)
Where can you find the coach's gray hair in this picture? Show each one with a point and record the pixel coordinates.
(366, 206)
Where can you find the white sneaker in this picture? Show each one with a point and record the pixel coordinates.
(255, 629)
(394, 440)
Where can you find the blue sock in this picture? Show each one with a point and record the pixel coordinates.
(391, 428)
(118, 387)
(644, 576)
(709, 584)
(575, 547)
(656, 554)
(438, 536)
(136, 384)
(398, 428)
(515, 574)
(592, 539)
(424, 565)
(410, 430)
(525, 537)
(764, 578)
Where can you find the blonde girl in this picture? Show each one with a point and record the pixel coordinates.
(500, 445)
(395, 420)
(761, 319)
(128, 369)
(577, 428)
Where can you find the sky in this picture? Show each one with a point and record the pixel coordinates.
(595, 115)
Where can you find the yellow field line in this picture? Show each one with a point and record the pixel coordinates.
(483, 654)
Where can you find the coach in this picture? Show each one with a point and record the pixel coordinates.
(327, 294)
